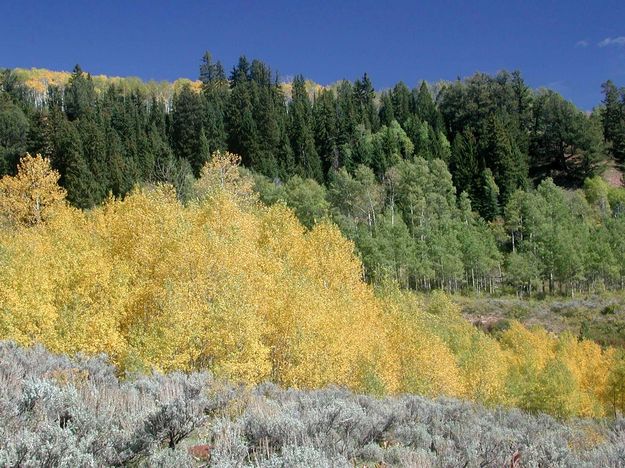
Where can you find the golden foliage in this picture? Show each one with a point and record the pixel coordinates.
(227, 284)
(221, 174)
(33, 195)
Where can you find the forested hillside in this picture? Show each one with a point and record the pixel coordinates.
(462, 185)
(227, 284)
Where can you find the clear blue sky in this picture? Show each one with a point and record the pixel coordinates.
(570, 46)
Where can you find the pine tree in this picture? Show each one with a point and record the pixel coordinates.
(326, 130)
(267, 100)
(387, 114)
(187, 128)
(215, 91)
(402, 103)
(364, 100)
(347, 120)
(241, 126)
(211, 73)
(614, 118)
(94, 148)
(425, 109)
(68, 159)
(504, 157)
(14, 133)
(307, 160)
(240, 73)
(465, 165)
(79, 97)
(488, 201)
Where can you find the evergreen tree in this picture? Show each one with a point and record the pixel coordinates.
(488, 201)
(307, 160)
(187, 128)
(326, 130)
(94, 150)
(211, 73)
(465, 165)
(364, 100)
(425, 109)
(267, 100)
(68, 159)
(387, 115)
(240, 123)
(614, 118)
(347, 120)
(215, 91)
(564, 138)
(240, 73)
(508, 164)
(402, 103)
(79, 98)
(14, 133)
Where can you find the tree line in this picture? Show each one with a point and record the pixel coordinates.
(429, 182)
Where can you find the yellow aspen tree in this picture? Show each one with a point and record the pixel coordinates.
(425, 365)
(590, 367)
(33, 195)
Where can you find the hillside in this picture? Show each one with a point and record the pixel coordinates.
(451, 187)
(226, 284)
(38, 80)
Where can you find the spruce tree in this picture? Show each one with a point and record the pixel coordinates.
(464, 165)
(215, 91)
(364, 99)
(387, 114)
(240, 124)
(79, 96)
(211, 72)
(504, 158)
(488, 202)
(187, 128)
(307, 160)
(402, 103)
(347, 120)
(68, 159)
(614, 118)
(425, 108)
(326, 130)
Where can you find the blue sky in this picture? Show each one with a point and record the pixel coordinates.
(570, 46)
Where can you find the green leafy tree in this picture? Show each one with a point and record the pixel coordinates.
(308, 199)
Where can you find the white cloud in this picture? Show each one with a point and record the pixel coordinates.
(581, 44)
(613, 41)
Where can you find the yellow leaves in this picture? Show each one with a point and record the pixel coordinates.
(39, 79)
(561, 375)
(33, 195)
(221, 173)
(528, 349)
(246, 291)
(590, 368)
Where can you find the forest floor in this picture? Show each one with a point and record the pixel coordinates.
(597, 317)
